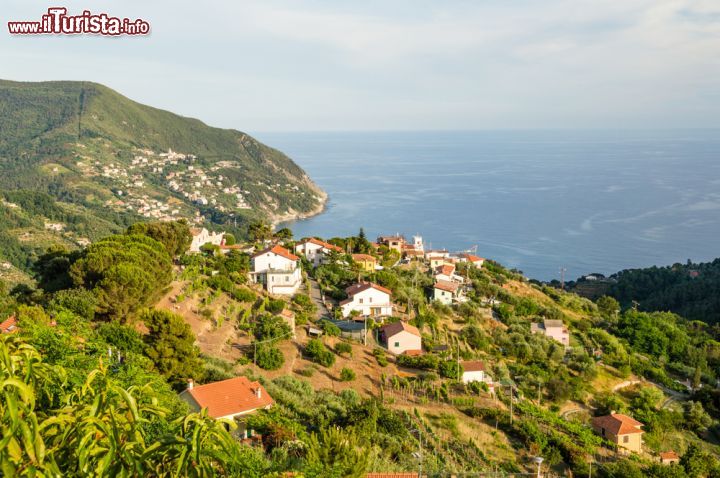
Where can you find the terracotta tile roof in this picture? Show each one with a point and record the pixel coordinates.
(9, 325)
(230, 397)
(280, 251)
(473, 366)
(445, 269)
(357, 288)
(391, 238)
(396, 327)
(413, 353)
(553, 324)
(324, 244)
(618, 424)
(473, 258)
(287, 313)
(363, 257)
(446, 286)
(669, 455)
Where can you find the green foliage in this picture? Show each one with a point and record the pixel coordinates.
(123, 337)
(423, 362)
(174, 236)
(329, 328)
(124, 272)
(170, 345)
(269, 357)
(347, 375)
(316, 351)
(78, 301)
(343, 348)
(271, 327)
(380, 356)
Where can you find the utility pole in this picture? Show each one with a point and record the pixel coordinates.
(562, 278)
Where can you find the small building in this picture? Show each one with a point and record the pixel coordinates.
(365, 261)
(437, 261)
(228, 399)
(202, 236)
(446, 272)
(554, 329)
(289, 317)
(394, 243)
(369, 299)
(277, 269)
(474, 260)
(315, 250)
(669, 458)
(401, 337)
(474, 371)
(621, 430)
(445, 292)
(9, 325)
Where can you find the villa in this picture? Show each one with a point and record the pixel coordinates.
(621, 430)
(368, 299)
(446, 292)
(446, 272)
(316, 250)
(366, 262)
(277, 269)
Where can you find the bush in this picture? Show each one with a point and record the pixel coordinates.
(424, 362)
(380, 357)
(344, 348)
(329, 328)
(317, 352)
(269, 358)
(347, 375)
(243, 295)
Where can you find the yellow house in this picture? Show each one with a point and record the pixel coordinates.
(365, 261)
(620, 429)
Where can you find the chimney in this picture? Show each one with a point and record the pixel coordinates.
(258, 392)
(190, 384)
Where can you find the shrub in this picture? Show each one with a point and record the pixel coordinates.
(269, 358)
(317, 352)
(329, 328)
(380, 357)
(344, 348)
(243, 295)
(347, 375)
(306, 372)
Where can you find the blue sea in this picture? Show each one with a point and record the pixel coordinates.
(587, 201)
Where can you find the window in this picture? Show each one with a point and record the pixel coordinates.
(602, 431)
(287, 279)
(626, 439)
(360, 301)
(397, 344)
(371, 300)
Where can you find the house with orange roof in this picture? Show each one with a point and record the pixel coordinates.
(277, 269)
(394, 243)
(401, 338)
(365, 261)
(315, 250)
(437, 261)
(446, 292)
(473, 259)
(9, 325)
(446, 272)
(229, 399)
(368, 299)
(621, 430)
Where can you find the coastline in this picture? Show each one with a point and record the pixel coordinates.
(291, 217)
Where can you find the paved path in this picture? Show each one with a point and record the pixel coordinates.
(316, 296)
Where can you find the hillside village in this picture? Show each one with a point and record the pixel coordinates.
(429, 330)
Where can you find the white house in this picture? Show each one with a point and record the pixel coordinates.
(200, 237)
(401, 337)
(228, 399)
(446, 272)
(277, 269)
(315, 250)
(474, 371)
(474, 260)
(371, 300)
(446, 292)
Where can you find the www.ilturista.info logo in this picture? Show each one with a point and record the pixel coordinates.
(58, 22)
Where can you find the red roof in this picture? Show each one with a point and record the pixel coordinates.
(392, 474)
(396, 327)
(473, 258)
(230, 397)
(359, 287)
(445, 269)
(618, 424)
(324, 244)
(473, 366)
(669, 455)
(8, 325)
(446, 286)
(280, 251)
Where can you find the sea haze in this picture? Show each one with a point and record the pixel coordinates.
(598, 201)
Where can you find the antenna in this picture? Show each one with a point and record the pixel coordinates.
(562, 278)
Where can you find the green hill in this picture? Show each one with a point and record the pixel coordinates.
(110, 161)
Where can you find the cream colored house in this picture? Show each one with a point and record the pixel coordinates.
(200, 237)
(621, 430)
(315, 250)
(401, 337)
(445, 291)
(554, 329)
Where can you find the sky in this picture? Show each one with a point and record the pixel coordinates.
(396, 64)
